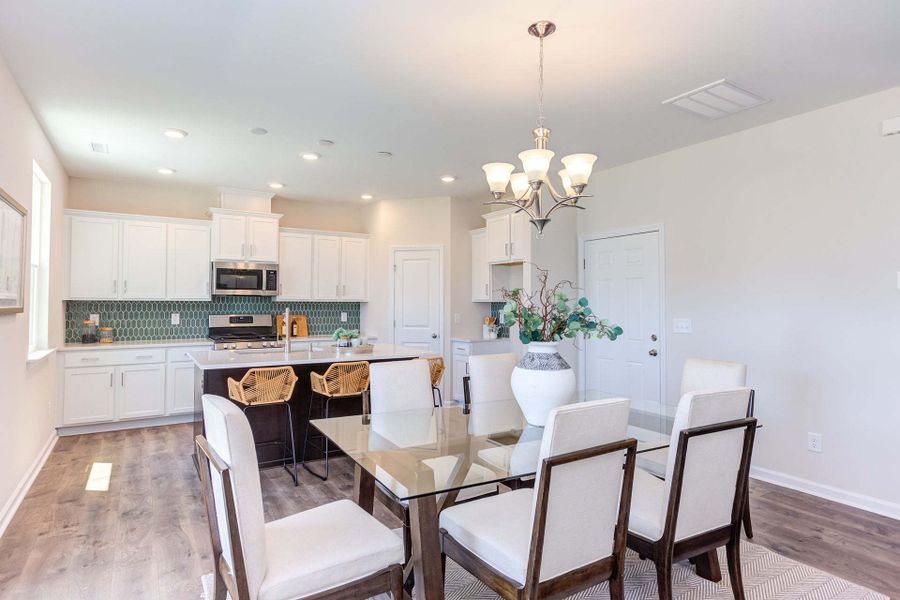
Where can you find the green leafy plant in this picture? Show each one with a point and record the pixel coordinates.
(340, 332)
(549, 315)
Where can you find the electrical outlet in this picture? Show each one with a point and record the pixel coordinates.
(176, 319)
(343, 317)
(94, 318)
(814, 442)
(682, 326)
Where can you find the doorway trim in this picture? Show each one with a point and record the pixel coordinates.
(659, 229)
(392, 256)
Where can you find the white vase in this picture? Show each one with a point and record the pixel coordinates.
(541, 381)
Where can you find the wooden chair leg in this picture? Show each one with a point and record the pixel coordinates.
(616, 587)
(733, 553)
(397, 583)
(664, 577)
(708, 566)
(219, 590)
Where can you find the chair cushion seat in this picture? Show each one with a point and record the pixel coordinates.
(648, 499)
(654, 462)
(496, 529)
(323, 548)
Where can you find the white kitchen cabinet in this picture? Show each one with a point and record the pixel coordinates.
(463, 349)
(262, 237)
(93, 258)
(508, 237)
(295, 270)
(481, 268)
(229, 236)
(327, 267)
(188, 269)
(460, 370)
(143, 259)
(354, 268)
(142, 391)
(520, 230)
(89, 395)
(180, 388)
(242, 236)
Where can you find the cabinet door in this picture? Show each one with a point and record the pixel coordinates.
(189, 262)
(262, 237)
(326, 267)
(497, 238)
(295, 268)
(180, 388)
(143, 260)
(141, 392)
(460, 370)
(354, 268)
(93, 258)
(520, 231)
(481, 270)
(88, 395)
(229, 237)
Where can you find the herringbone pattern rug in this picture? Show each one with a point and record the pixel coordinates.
(767, 576)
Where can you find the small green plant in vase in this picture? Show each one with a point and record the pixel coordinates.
(543, 380)
(345, 337)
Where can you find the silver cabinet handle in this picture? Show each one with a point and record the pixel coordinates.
(337, 290)
(511, 244)
(345, 291)
(505, 249)
(242, 251)
(467, 367)
(92, 359)
(115, 286)
(125, 287)
(110, 379)
(122, 378)
(251, 250)
(485, 289)
(144, 356)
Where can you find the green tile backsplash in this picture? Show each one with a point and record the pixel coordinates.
(152, 320)
(496, 308)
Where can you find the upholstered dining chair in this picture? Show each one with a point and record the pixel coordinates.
(704, 374)
(569, 532)
(330, 552)
(698, 506)
(489, 378)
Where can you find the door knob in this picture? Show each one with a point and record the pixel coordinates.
(434, 336)
(653, 352)
(653, 337)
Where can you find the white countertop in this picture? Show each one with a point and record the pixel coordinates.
(244, 359)
(478, 340)
(136, 344)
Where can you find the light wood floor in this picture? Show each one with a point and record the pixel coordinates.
(147, 537)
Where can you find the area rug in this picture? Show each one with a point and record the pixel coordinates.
(767, 576)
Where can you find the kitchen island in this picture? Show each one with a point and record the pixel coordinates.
(213, 368)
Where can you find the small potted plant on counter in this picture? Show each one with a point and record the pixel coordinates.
(543, 379)
(345, 337)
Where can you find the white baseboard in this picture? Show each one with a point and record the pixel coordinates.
(12, 505)
(868, 503)
(119, 425)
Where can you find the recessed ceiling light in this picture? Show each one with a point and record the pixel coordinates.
(367, 196)
(324, 142)
(448, 178)
(384, 154)
(165, 171)
(100, 147)
(175, 134)
(276, 186)
(259, 131)
(309, 156)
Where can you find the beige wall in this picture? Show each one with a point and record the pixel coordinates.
(781, 243)
(465, 215)
(28, 397)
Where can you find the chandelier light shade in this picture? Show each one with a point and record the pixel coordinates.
(529, 186)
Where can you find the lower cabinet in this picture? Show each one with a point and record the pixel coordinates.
(180, 388)
(462, 350)
(90, 394)
(142, 392)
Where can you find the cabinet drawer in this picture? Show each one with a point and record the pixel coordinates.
(174, 355)
(93, 358)
(461, 349)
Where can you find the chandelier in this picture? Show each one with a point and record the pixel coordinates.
(528, 187)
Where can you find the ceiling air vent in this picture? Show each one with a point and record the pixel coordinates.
(98, 147)
(715, 100)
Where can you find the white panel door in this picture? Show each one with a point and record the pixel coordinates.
(354, 268)
(417, 298)
(622, 283)
(141, 392)
(93, 258)
(520, 232)
(497, 244)
(144, 256)
(88, 395)
(262, 234)
(188, 268)
(180, 388)
(327, 267)
(481, 270)
(229, 237)
(295, 267)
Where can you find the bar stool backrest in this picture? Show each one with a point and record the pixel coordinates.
(263, 386)
(342, 379)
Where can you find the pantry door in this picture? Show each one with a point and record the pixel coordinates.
(417, 297)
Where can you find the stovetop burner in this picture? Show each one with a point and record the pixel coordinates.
(239, 332)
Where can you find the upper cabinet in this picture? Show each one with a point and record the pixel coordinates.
(327, 267)
(143, 256)
(188, 264)
(340, 268)
(481, 268)
(508, 237)
(354, 268)
(93, 258)
(295, 270)
(242, 236)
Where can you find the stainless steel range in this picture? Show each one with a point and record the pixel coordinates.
(242, 332)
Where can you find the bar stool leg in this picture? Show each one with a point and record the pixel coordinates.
(290, 421)
(440, 396)
(312, 398)
(327, 406)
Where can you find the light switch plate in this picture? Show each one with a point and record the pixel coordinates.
(682, 326)
(176, 319)
(95, 318)
(343, 317)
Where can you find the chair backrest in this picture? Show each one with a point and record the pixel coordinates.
(490, 375)
(711, 462)
(400, 385)
(342, 379)
(228, 434)
(583, 496)
(702, 374)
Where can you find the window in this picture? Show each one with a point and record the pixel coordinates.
(39, 293)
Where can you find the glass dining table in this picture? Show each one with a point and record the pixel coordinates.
(424, 458)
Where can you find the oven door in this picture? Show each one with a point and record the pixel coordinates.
(242, 279)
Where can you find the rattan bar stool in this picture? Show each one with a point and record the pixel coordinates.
(341, 380)
(436, 365)
(265, 387)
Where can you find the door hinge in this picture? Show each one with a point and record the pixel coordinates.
(584, 263)
(395, 268)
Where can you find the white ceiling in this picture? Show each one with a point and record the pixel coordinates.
(445, 86)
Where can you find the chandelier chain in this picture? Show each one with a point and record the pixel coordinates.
(541, 83)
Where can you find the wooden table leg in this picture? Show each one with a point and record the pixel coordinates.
(426, 548)
(363, 488)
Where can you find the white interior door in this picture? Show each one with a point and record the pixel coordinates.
(418, 280)
(622, 283)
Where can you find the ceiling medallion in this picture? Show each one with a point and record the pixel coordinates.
(528, 187)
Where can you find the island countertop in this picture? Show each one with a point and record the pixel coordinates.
(242, 359)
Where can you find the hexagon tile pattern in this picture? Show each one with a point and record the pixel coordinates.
(137, 320)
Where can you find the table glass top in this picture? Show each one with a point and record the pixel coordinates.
(422, 452)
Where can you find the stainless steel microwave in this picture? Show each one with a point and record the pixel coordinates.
(244, 279)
